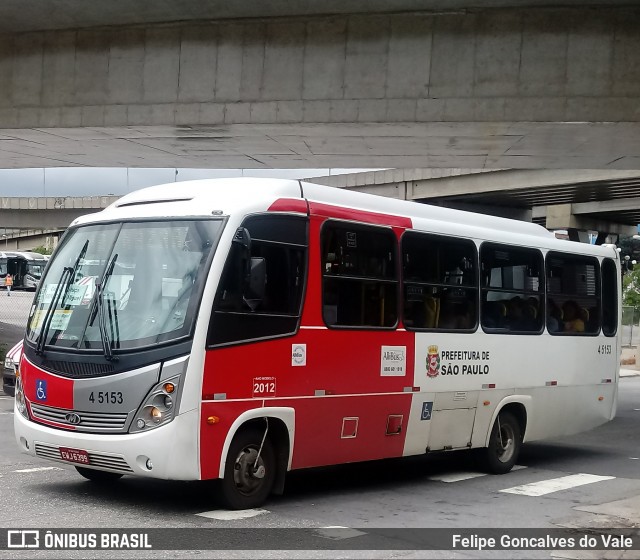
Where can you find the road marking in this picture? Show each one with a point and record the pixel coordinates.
(338, 533)
(38, 469)
(556, 484)
(226, 515)
(2, 413)
(456, 477)
(464, 475)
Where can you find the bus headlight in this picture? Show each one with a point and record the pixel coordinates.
(21, 401)
(158, 408)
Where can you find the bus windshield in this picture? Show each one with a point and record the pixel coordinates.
(138, 283)
(35, 269)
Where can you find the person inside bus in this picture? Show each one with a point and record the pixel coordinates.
(9, 283)
(572, 320)
(494, 314)
(554, 317)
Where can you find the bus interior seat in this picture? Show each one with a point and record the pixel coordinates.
(432, 312)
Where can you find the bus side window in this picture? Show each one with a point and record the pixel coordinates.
(573, 294)
(512, 289)
(440, 282)
(609, 298)
(359, 276)
(282, 242)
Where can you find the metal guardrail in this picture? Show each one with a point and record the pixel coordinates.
(14, 312)
(630, 330)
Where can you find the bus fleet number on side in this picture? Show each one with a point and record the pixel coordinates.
(604, 348)
(106, 397)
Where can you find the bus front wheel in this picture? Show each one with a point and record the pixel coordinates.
(100, 477)
(501, 453)
(250, 471)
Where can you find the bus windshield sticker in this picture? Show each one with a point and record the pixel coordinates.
(59, 321)
(393, 361)
(75, 294)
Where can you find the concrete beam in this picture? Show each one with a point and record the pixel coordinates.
(48, 212)
(511, 180)
(561, 216)
(519, 87)
(602, 206)
(523, 214)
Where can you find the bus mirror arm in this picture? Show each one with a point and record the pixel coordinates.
(256, 281)
(255, 273)
(243, 238)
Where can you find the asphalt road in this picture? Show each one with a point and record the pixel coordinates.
(441, 491)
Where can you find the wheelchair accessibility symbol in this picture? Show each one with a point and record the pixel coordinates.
(41, 390)
(426, 410)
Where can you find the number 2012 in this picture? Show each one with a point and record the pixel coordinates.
(264, 387)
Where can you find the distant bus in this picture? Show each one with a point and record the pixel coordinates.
(26, 268)
(238, 329)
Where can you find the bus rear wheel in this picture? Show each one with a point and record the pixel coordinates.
(501, 453)
(250, 471)
(100, 477)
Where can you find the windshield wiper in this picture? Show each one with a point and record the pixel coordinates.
(48, 317)
(102, 317)
(109, 340)
(68, 274)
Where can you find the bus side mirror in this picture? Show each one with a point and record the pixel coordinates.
(255, 286)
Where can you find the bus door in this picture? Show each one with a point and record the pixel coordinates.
(16, 267)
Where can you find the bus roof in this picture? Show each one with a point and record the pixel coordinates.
(249, 195)
(27, 255)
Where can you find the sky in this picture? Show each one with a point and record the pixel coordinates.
(96, 181)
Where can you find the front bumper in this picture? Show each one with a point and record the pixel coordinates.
(172, 449)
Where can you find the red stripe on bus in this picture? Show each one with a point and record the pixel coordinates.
(289, 205)
(344, 363)
(363, 216)
(58, 391)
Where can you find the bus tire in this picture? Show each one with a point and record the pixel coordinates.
(501, 453)
(100, 477)
(246, 485)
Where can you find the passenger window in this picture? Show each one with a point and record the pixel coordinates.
(610, 281)
(440, 283)
(573, 294)
(359, 278)
(278, 244)
(512, 284)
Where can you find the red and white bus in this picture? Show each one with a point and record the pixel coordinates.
(236, 329)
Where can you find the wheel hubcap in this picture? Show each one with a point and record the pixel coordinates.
(506, 443)
(248, 475)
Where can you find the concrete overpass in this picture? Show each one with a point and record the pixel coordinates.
(607, 202)
(47, 213)
(318, 84)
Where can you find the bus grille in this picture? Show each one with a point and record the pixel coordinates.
(106, 461)
(111, 422)
(78, 370)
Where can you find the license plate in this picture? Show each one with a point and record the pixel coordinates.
(74, 455)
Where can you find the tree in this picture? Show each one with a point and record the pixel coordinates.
(631, 287)
(42, 250)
